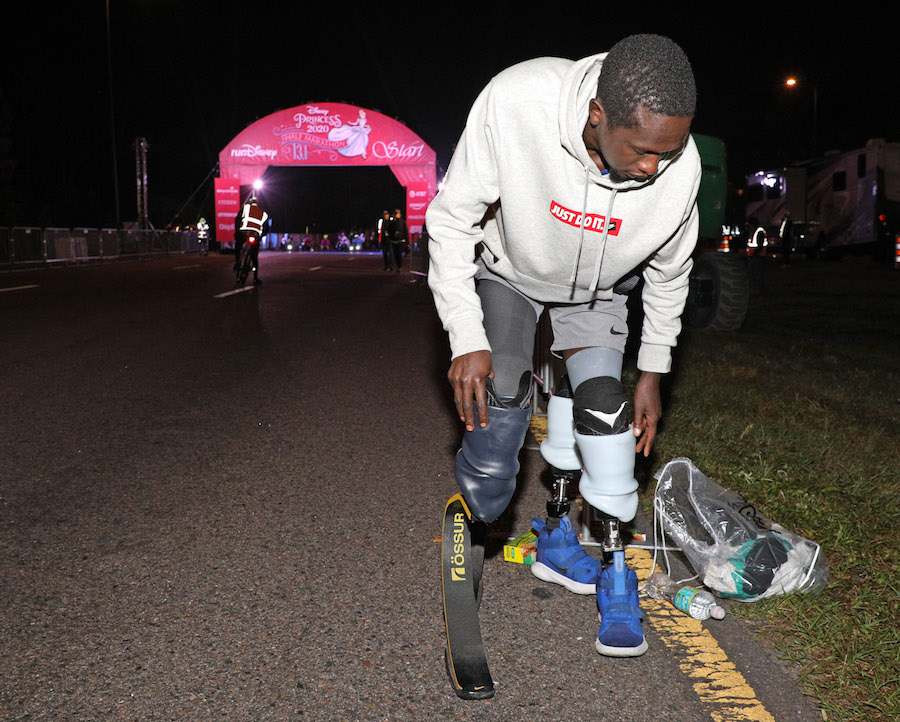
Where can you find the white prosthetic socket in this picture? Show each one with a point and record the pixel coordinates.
(559, 449)
(608, 482)
(607, 449)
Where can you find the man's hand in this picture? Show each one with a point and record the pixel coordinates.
(467, 375)
(647, 410)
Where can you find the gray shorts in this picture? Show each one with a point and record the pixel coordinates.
(510, 321)
(576, 325)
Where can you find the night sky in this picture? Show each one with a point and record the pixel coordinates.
(181, 69)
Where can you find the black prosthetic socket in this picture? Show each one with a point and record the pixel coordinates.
(488, 460)
(522, 399)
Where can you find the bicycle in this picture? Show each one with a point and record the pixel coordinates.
(245, 259)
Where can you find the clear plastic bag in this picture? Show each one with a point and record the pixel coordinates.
(738, 553)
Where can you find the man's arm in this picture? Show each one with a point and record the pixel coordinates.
(666, 277)
(647, 410)
(667, 274)
(666, 281)
(454, 227)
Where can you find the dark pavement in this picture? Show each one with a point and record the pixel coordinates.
(226, 508)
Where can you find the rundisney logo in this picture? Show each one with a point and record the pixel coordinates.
(254, 151)
(395, 150)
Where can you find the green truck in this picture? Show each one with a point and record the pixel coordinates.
(720, 286)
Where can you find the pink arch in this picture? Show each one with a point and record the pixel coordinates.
(326, 134)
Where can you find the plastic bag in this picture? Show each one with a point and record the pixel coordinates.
(738, 553)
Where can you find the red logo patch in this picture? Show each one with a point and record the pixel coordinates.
(592, 221)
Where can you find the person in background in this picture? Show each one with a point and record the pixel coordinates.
(384, 240)
(203, 236)
(399, 239)
(251, 219)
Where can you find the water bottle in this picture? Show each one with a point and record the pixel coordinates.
(699, 604)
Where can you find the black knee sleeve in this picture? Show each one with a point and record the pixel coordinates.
(601, 407)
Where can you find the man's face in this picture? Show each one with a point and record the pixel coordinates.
(633, 153)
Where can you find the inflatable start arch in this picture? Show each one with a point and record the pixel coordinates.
(325, 134)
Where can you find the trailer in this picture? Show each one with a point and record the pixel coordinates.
(843, 202)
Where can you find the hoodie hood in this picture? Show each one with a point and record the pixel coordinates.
(579, 87)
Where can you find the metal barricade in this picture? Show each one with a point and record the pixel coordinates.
(56, 245)
(27, 244)
(136, 242)
(5, 246)
(91, 241)
(109, 243)
(67, 244)
(418, 255)
(189, 242)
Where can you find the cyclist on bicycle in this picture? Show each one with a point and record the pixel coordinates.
(251, 220)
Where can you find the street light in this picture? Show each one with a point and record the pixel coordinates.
(112, 121)
(793, 82)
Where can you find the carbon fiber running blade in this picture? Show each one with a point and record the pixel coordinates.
(465, 656)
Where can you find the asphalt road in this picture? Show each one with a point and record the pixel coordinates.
(226, 508)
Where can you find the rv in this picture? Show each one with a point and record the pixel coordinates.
(840, 203)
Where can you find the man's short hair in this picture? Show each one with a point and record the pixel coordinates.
(648, 70)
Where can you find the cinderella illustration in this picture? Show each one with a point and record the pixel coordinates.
(355, 136)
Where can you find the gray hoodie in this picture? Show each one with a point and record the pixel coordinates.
(522, 183)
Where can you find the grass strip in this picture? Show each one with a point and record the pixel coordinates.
(799, 412)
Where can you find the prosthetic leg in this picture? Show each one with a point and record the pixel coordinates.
(488, 459)
(606, 442)
(462, 562)
(559, 557)
(598, 439)
(486, 467)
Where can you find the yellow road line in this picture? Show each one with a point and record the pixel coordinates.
(716, 679)
(538, 427)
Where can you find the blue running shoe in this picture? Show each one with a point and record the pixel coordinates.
(620, 632)
(560, 559)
